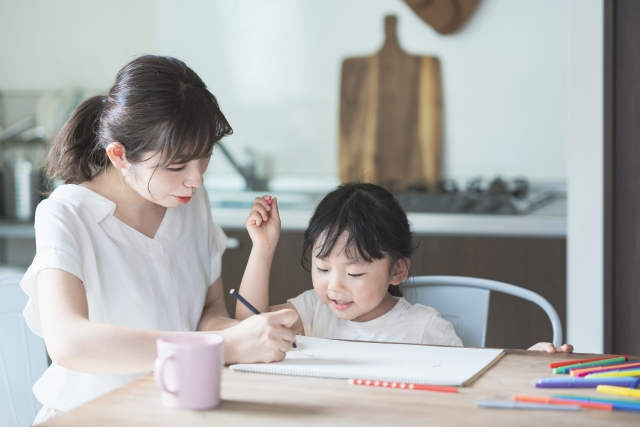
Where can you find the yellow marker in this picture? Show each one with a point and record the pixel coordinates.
(634, 373)
(622, 391)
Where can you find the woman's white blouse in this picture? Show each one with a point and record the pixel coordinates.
(130, 279)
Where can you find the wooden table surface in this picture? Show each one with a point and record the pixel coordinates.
(270, 400)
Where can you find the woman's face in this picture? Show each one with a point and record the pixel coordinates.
(171, 186)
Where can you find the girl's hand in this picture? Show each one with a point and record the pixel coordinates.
(263, 223)
(261, 338)
(549, 348)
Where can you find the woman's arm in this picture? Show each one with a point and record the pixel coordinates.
(215, 316)
(297, 326)
(76, 343)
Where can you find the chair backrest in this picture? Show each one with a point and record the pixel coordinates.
(464, 301)
(23, 358)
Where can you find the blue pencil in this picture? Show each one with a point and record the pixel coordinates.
(250, 307)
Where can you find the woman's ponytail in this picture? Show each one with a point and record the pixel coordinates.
(74, 155)
(156, 105)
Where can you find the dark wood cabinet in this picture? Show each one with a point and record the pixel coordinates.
(537, 264)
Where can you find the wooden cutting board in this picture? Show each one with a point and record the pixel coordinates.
(391, 117)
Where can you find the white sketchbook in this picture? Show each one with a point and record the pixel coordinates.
(417, 364)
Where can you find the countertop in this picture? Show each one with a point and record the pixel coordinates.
(548, 221)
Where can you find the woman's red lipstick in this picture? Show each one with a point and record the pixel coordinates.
(183, 199)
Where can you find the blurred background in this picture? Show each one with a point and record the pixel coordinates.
(504, 127)
(508, 116)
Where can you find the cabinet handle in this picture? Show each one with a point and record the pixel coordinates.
(233, 243)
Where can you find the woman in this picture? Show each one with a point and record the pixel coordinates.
(127, 250)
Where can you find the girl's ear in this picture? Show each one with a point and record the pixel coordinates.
(116, 154)
(400, 271)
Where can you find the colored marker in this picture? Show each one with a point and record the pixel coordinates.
(620, 391)
(624, 405)
(636, 383)
(571, 382)
(521, 405)
(391, 384)
(250, 307)
(551, 400)
(566, 369)
(586, 371)
(573, 362)
(632, 372)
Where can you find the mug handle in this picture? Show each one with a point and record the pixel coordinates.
(158, 372)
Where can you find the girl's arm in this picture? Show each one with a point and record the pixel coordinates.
(76, 343)
(263, 225)
(215, 316)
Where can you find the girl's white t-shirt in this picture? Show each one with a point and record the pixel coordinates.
(130, 279)
(404, 323)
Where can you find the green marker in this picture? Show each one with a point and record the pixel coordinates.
(565, 369)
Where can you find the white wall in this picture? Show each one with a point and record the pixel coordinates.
(275, 67)
(70, 43)
(585, 204)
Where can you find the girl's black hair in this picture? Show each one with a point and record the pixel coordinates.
(157, 104)
(376, 225)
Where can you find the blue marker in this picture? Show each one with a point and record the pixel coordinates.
(250, 307)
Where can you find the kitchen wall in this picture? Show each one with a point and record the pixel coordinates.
(275, 67)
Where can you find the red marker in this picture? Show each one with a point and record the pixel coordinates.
(391, 384)
(573, 362)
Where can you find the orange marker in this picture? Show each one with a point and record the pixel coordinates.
(585, 371)
(551, 400)
(391, 384)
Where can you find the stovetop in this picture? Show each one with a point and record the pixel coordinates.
(499, 196)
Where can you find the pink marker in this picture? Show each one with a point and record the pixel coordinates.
(270, 201)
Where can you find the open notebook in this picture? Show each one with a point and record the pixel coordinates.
(418, 364)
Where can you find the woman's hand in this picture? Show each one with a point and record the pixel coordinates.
(261, 338)
(549, 348)
(263, 223)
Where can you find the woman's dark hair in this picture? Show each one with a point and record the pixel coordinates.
(376, 225)
(157, 105)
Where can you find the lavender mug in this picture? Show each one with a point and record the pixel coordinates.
(188, 370)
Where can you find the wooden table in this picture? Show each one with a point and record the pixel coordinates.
(270, 400)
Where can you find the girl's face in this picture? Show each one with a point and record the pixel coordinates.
(170, 186)
(353, 289)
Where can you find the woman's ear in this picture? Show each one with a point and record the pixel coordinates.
(400, 271)
(116, 154)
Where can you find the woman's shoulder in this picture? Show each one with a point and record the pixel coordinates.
(71, 200)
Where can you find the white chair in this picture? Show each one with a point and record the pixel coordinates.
(23, 358)
(464, 301)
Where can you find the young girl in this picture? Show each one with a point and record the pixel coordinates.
(360, 244)
(126, 250)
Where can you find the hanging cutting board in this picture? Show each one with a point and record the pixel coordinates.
(391, 117)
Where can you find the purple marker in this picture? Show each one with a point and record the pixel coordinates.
(569, 382)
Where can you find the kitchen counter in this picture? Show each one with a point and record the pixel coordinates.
(548, 221)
